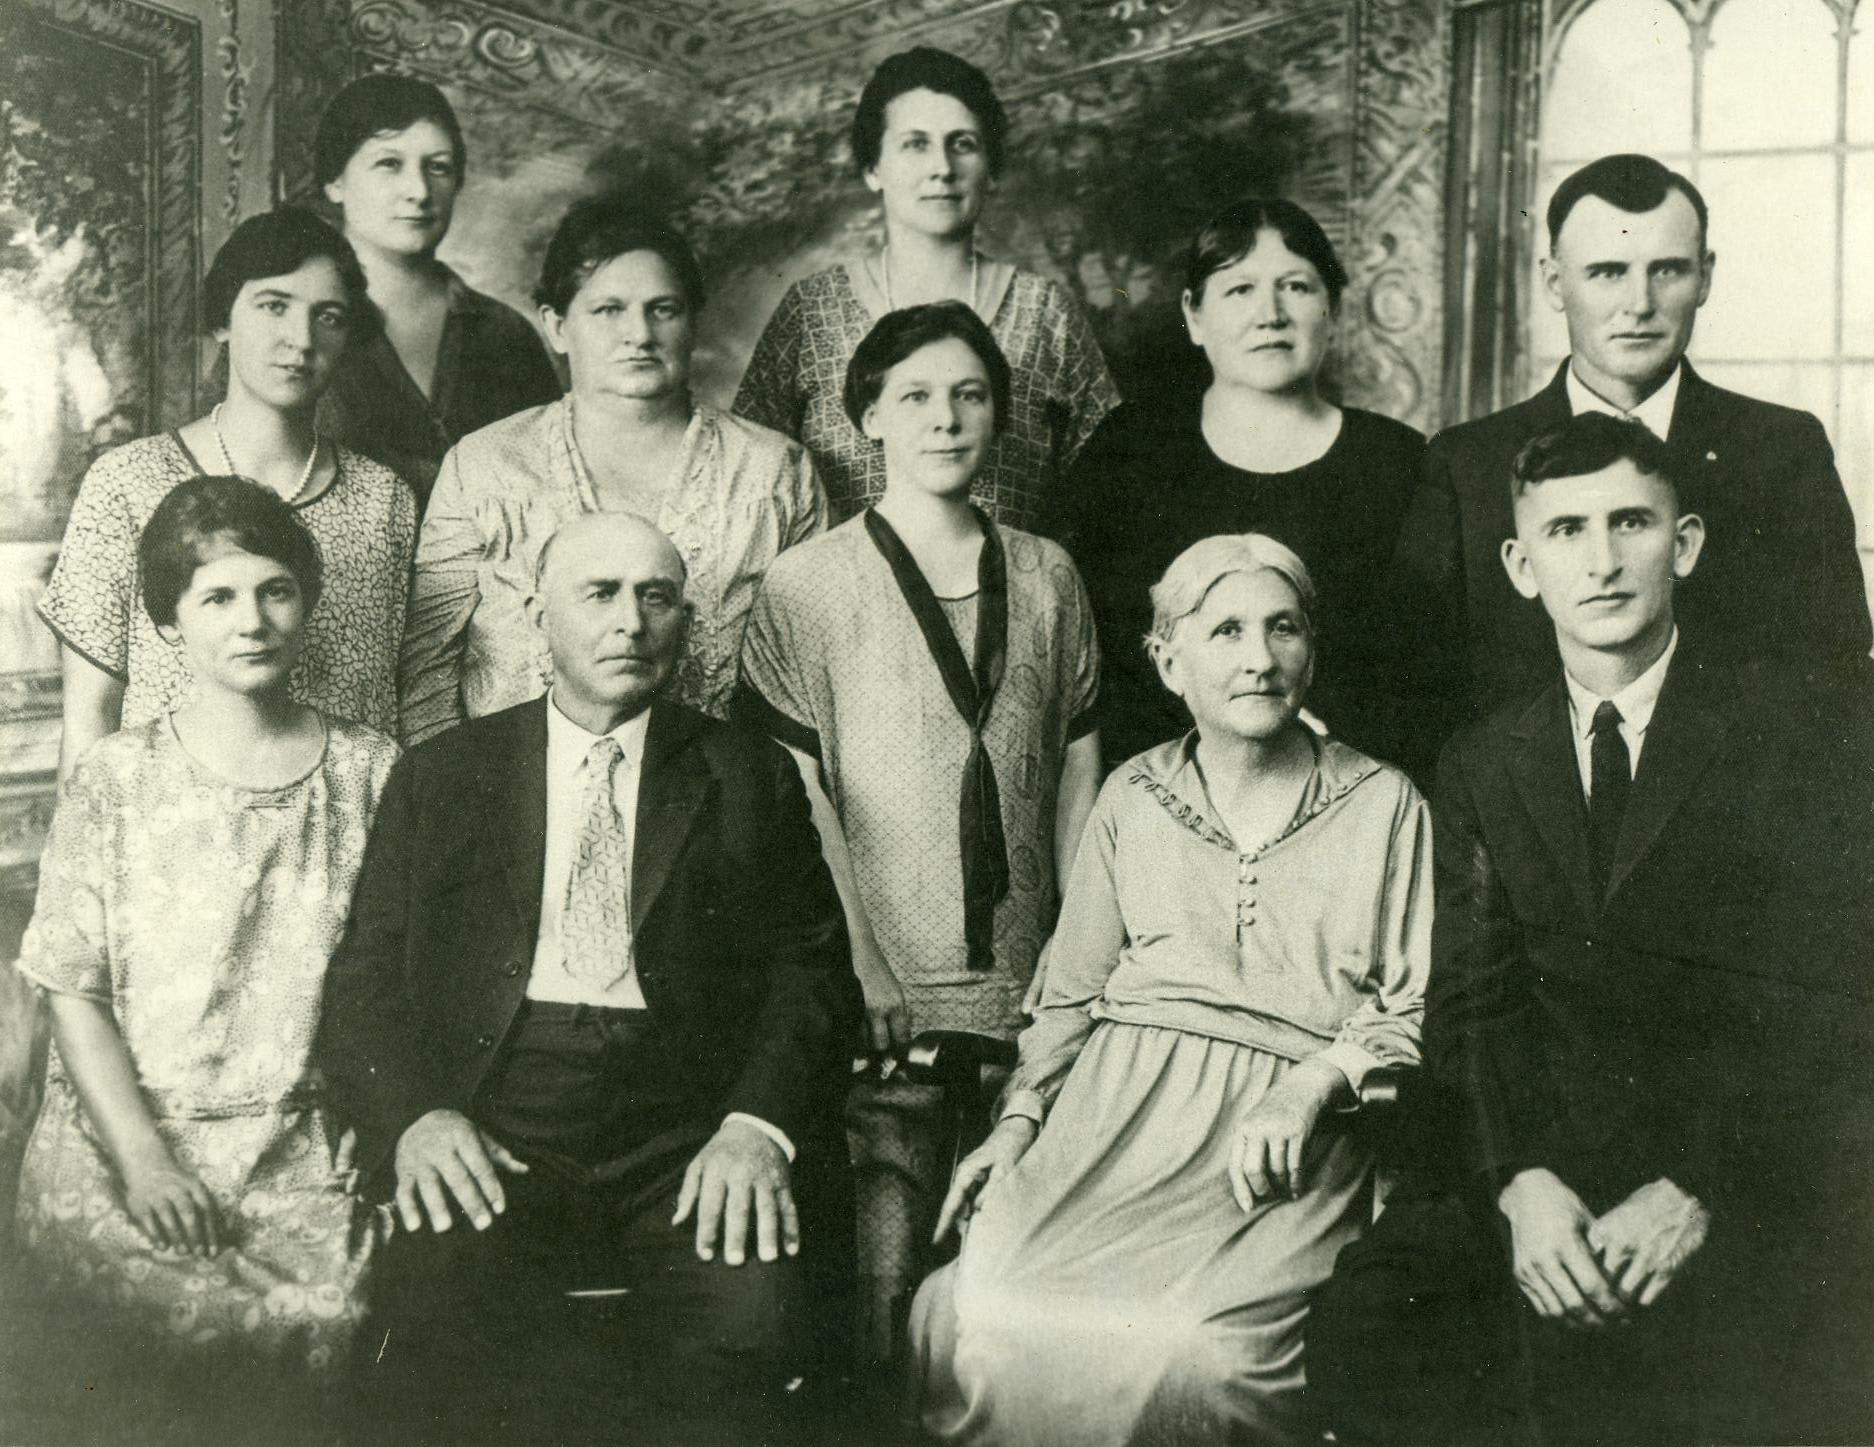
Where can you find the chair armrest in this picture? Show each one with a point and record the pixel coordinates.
(1389, 1088)
(946, 1057)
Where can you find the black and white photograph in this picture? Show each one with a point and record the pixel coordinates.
(874, 723)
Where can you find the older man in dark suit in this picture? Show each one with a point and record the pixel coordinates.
(1629, 268)
(1649, 996)
(590, 1018)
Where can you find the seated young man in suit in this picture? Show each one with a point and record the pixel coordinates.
(1630, 267)
(1649, 998)
(590, 1018)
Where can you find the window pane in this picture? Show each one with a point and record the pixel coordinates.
(1773, 228)
(1861, 77)
(1858, 284)
(1771, 75)
(1808, 385)
(1622, 82)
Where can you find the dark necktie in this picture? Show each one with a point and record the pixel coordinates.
(1610, 775)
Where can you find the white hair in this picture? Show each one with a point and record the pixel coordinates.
(1207, 562)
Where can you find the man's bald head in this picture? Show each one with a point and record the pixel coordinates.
(610, 529)
(608, 599)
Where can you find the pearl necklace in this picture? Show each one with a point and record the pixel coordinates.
(305, 476)
(885, 269)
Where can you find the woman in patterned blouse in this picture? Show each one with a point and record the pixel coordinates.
(285, 297)
(188, 1239)
(619, 295)
(928, 137)
(934, 674)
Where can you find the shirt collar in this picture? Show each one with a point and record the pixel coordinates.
(1636, 701)
(568, 743)
(1654, 414)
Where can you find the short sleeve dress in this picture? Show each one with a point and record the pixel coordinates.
(1061, 387)
(836, 664)
(364, 525)
(204, 913)
(738, 496)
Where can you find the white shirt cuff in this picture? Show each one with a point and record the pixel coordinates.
(772, 1132)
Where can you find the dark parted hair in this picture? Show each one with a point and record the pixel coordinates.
(373, 105)
(1231, 235)
(203, 510)
(1628, 181)
(278, 243)
(926, 68)
(600, 228)
(898, 334)
(1588, 442)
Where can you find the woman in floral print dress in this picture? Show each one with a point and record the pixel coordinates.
(187, 1233)
(286, 297)
(928, 135)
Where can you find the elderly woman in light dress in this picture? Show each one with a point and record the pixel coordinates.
(1245, 934)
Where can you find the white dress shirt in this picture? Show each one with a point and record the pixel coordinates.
(1636, 703)
(1654, 414)
(567, 747)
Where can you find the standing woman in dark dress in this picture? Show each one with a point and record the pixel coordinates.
(1263, 451)
(446, 359)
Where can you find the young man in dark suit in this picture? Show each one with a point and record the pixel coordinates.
(590, 1020)
(1629, 267)
(1650, 1002)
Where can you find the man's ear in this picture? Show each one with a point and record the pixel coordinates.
(1552, 282)
(536, 611)
(1688, 541)
(1516, 564)
(1704, 284)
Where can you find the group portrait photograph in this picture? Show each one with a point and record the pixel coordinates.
(868, 723)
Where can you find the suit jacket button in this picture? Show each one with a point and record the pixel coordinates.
(510, 968)
(486, 1042)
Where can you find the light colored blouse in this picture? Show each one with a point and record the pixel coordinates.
(1060, 384)
(739, 495)
(1317, 944)
(364, 524)
(836, 666)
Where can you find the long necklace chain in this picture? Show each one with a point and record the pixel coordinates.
(885, 267)
(305, 475)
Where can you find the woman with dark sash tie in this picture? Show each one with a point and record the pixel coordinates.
(934, 675)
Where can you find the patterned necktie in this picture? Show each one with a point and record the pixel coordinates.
(595, 930)
(1610, 774)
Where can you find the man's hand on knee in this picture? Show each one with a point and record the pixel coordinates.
(1646, 1240)
(1555, 1267)
(740, 1177)
(445, 1155)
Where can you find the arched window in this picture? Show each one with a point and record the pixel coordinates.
(1768, 105)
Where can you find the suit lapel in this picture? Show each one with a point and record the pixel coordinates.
(674, 786)
(1548, 777)
(517, 805)
(1681, 741)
